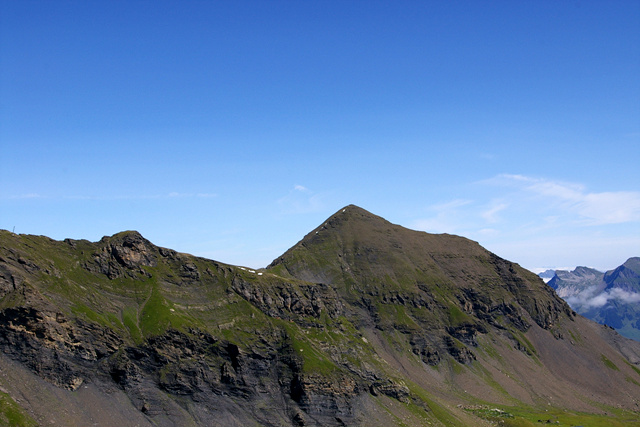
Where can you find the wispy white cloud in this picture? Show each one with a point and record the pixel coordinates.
(301, 200)
(611, 208)
(491, 214)
(590, 208)
(541, 221)
(462, 215)
(445, 217)
(450, 205)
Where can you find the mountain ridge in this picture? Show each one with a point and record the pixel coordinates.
(571, 283)
(375, 245)
(362, 322)
(626, 276)
(610, 298)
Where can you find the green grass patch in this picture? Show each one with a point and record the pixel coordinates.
(525, 344)
(576, 339)
(608, 363)
(397, 341)
(635, 368)
(458, 317)
(108, 320)
(456, 367)
(395, 315)
(313, 361)
(130, 320)
(157, 315)
(631, 380)
(12, 415)
(524, 416)
(488, 412)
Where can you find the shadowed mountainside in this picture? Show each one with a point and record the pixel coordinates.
(362, 323)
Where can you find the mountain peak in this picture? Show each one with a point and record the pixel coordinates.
(372, 241)
(626, 277)
(353, 213)
(361, 254)
(586, 271)
(129, 249)
(632, 263)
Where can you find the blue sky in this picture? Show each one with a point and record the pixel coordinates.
(229, 129)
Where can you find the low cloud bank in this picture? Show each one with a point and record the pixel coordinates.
(591, 299)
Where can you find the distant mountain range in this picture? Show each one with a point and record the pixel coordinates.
(547, 275)
(362, 323)
(611, 298)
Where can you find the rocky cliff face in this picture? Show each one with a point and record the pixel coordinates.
(571, 283)
(361, 323)
(125, 314)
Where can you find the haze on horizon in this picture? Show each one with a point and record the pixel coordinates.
(231, 129)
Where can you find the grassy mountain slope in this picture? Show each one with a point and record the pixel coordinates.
(485, 325)
(361, 323)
